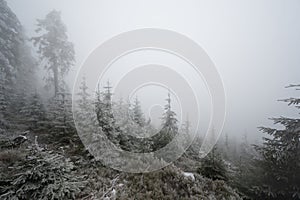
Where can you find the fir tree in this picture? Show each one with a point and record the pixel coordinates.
(226, 142)
(169, 127)
(138, 116)
(186, 127)
(83, 94)
(280, 158)
(60, 119)
(85, 115)
(169, 118)
(3, 103)
(56, 52)
(122, 114)
(104, 112)
(25, 83)
(186, 136)
(245, 172)
(34, 113)
(41, 175)
(213, 166)
(104, 109)
(14, 65)
(84, 102)
(124, 120)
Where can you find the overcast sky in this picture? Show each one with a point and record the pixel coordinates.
(254, 44)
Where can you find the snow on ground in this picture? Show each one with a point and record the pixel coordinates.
(189, 175)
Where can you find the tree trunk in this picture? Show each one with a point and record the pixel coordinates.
(55, 74)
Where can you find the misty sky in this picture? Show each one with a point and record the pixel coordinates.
(254, 44)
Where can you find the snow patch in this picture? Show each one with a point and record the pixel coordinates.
(189, 175)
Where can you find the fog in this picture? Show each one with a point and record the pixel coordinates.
(255, 45)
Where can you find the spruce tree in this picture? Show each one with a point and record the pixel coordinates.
(83, 94)
(56, 52)
(226, 143)
(25, 84)
(186, 136)
(86, 120)
(34, 113)
(60, 119)
(104, 109)
(105, 116)
(169, 127)
(213, 165)
(13, 64)
(245, 170)
(280, 158)
(123, 114)
(3, 103)
(169, 119)
(138, 116)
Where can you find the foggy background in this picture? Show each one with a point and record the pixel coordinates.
(255, 45)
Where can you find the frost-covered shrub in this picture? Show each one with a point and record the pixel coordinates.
(213, 166)
(10, 156)
(171, 183)
(40, 175)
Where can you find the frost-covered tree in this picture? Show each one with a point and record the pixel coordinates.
(60, 119)
(169, 119)
(226, 142)
(34, 113)
(84, 102)
(40, 175)
(243, 168)
(213, 165)
(3, 103)
(17, 68)
(26, 80)
(56, 52)
(138, 137)
(137, 112)
(280, 158)
(169, 127)
(186, 135)
(117, 123)
(105, 117)
(107, 120)
(122, 114)
(247, 153)
(186, 127)
(10, 41)
(124, 120)
(86, 118)
(84, 95)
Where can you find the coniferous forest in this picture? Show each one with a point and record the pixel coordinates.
(42, 156)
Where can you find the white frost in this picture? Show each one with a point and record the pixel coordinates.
(189, 175)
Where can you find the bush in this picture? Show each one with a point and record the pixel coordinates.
(42, 175)
(213, 166)
(10, 156)
(171, 183)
